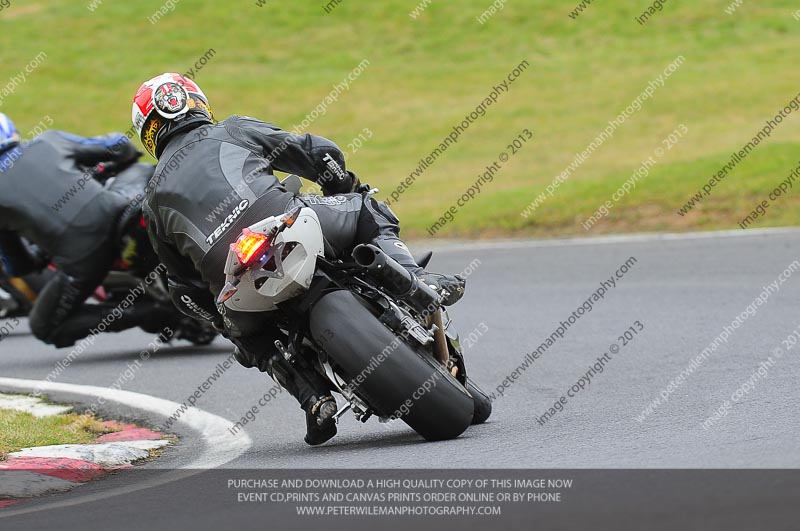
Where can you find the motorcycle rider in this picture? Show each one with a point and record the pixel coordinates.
(49, 198)
(214, 179)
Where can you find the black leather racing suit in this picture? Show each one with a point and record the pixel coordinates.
(214, 180)
(48, 196)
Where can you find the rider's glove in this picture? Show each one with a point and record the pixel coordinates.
(352, 185)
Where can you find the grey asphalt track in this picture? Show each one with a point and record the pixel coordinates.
(683, 290)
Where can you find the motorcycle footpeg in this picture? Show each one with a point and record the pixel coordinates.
(282, 349)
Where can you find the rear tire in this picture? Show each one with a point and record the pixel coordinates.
(391, 373)
(483, 405)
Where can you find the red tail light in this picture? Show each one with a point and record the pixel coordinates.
(250, 247)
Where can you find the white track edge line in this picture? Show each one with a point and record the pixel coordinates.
(444, 246)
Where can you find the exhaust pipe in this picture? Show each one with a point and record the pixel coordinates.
(396, 279)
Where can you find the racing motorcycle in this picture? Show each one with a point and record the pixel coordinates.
(137, 260)
(374, 330)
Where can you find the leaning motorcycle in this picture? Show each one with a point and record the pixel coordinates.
(136, 261)
(374, 330)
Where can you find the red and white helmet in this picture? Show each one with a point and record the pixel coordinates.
(166, 104)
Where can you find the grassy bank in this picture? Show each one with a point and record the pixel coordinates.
(279, 61)
(22, 430)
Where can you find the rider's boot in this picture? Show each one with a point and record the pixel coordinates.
(309, 388)
(313, 393)
(452, 286)
(320, 421)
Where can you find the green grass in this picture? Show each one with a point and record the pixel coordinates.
(279, 61)
(23, 430)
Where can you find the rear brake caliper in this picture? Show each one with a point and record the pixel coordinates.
(416, 330)
(403, 323)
